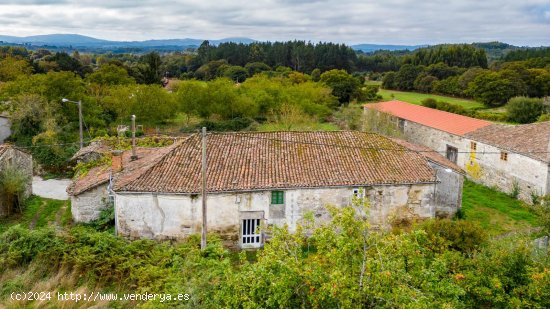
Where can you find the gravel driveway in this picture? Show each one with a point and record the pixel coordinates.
(51, 188)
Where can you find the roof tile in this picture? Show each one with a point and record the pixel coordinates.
(256, 161)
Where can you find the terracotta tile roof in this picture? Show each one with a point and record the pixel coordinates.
(4, 148)
(94, 147)
(532, 140)
(258, 161)
(444, 121)
(430, 154)
(100, 174)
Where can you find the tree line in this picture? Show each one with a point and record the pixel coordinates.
(494, 86)
(111, 90)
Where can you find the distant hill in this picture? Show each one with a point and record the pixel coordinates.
(79, 41)
(64, 42)
(54, 39)
(367, 48)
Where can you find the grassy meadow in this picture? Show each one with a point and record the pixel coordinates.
(496, 212)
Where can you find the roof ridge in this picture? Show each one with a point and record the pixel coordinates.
(426, 107)
(287, 131)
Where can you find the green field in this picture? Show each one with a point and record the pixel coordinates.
(495, 211)
(416, 98)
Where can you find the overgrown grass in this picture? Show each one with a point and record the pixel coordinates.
(417, 98)
(40, 212)
(495, 211)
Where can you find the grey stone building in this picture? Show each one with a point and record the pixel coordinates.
(12, 156)
(271, 179)
(510, 158)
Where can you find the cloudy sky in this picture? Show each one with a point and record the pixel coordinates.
(521, 22)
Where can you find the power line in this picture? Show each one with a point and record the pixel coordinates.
(245, 135)
(373, 148)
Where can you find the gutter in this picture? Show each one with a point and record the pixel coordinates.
(279, 188)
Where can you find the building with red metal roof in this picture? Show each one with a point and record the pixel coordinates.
(508, 157)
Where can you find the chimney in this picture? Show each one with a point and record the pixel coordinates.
(134, 156)
(116, 161)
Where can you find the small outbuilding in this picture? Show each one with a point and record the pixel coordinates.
(14, 159)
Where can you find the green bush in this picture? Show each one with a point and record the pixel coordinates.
(524, 110)
(236, 124)
(460, 235)
(544, 117)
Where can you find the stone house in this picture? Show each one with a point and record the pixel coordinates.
(13, 156)
(510, 158)
(90, 193)
(272, 179)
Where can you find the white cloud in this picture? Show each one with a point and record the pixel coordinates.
(353, 21)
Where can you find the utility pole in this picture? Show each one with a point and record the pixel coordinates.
(203, 234)
(134, 156)
(79, 103)
(80, 123)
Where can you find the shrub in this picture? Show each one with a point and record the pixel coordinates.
(460, 235)
(429, 102)
(524, 110)
(516, 189)
(13, 183)
(236, 124)
(544, 117)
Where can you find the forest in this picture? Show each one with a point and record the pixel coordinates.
(225, 98)
(259, 86)
(520, 73)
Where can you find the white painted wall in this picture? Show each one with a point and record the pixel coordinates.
(174, 216)
(531, 175)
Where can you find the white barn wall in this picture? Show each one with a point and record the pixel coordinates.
(166, 216)
(485, 166)
(531, 175)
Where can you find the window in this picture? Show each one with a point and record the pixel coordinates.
(504, 156)
(251, 234)
(473, 146)
(277, 197)
(359, 192)
(401, 125)
(452, 153)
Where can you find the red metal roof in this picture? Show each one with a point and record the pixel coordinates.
(444, 121)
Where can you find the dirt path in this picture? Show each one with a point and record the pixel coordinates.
(59, 215)
(36, 216)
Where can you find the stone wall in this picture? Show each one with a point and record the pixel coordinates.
(23, 162)
(486, 166)
(88, 205)
(435, 139)
(530, 175)
(448, 191)
(174, 216)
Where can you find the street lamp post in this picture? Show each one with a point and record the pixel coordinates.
(79, 103)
